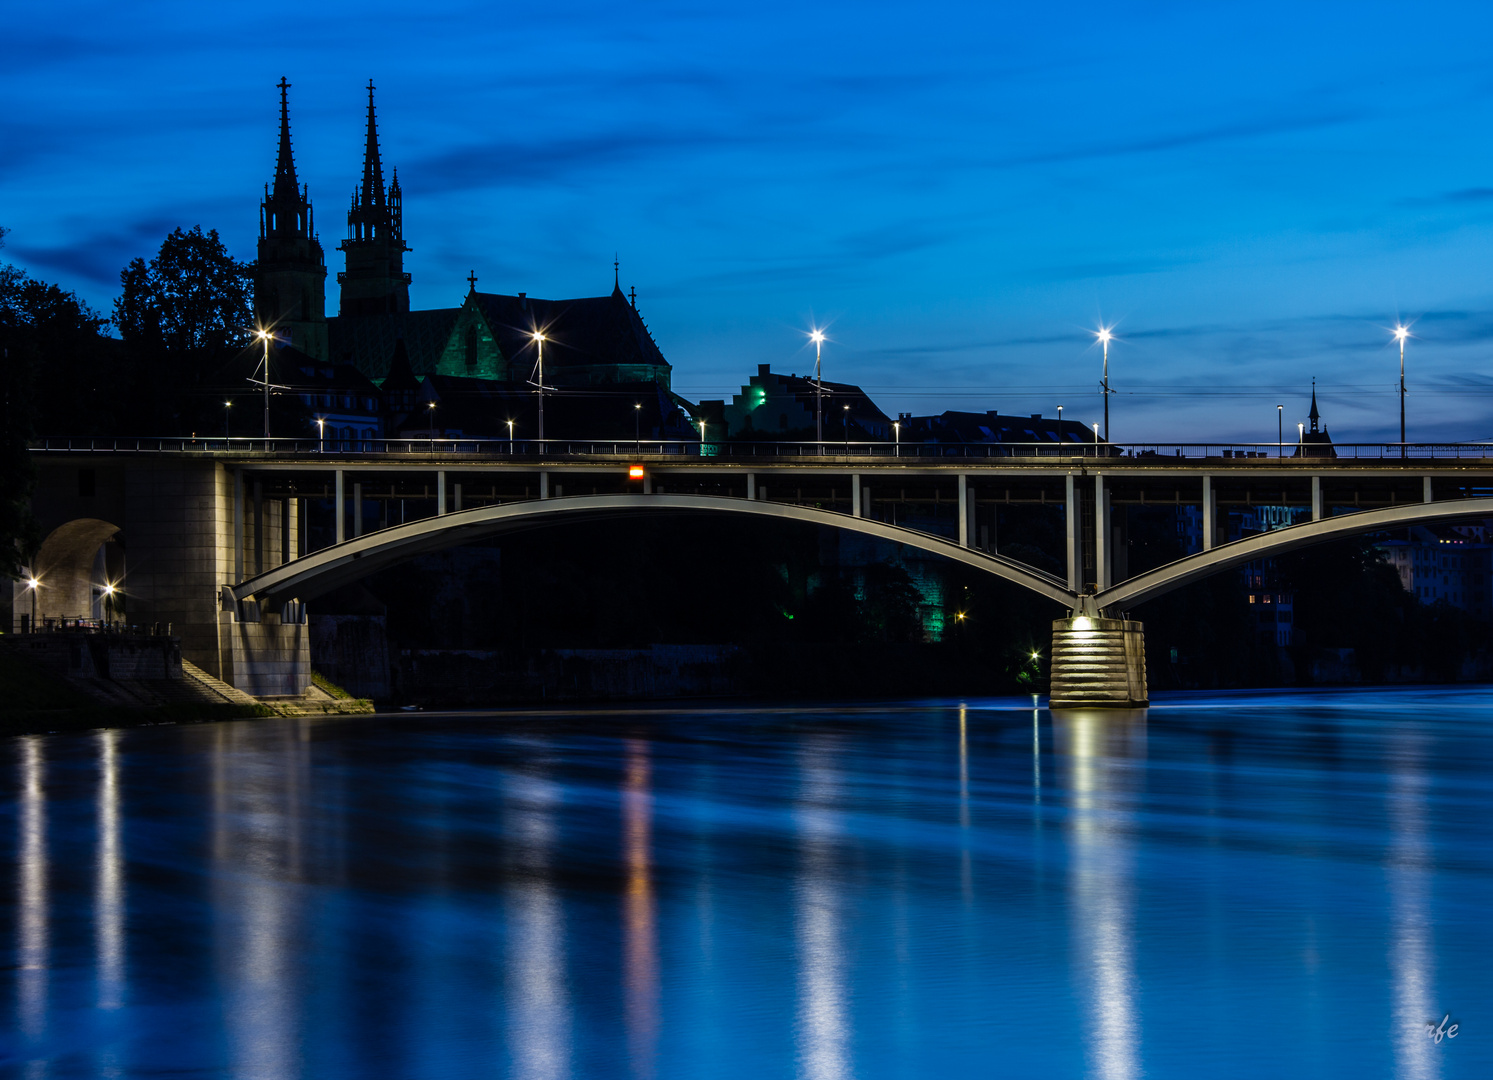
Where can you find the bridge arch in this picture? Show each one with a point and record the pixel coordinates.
(324, 570)
(65, 567)
(1184, 571)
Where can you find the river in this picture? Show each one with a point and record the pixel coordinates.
(1263, 884)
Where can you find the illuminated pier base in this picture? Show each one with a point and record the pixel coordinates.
(1098, 664)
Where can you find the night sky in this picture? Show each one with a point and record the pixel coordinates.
(1253, 193)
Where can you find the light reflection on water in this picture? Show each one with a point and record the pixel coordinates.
(1236, 886)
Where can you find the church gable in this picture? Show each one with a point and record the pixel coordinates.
(471, 350)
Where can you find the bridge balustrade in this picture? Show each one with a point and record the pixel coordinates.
(550, 449)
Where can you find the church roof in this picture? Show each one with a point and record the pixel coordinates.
(368, 340)
(589, 330)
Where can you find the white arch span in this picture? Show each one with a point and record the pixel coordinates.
(324, 570)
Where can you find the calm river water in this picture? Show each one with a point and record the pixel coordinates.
(1262, 885)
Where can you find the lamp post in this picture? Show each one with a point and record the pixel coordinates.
(1060, 431)
(539, 340)
(227, 406)
(896, 438)
(1104, 334)
(431, 414)
(1300, 439)
(108, 604)
(33, 586)
(1280, 436)
(637, 424)
(510, 438)
(321, 434)
(1096, 439)
(1401, 333)
(265, 336)
(818, 338)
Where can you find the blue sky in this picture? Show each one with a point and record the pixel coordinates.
(1253, 192)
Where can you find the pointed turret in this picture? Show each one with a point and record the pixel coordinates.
(291, 271)
(373, 166)
(1314, 416)
(374, 281)
(286, 187)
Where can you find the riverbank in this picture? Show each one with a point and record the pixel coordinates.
(36, 701)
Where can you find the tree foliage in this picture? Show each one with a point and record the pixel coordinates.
(192, 301)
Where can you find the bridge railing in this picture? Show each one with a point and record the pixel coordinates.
(628, 449)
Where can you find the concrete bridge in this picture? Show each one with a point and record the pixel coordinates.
(220, 543)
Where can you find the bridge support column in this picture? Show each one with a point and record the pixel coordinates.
(963, 510)
(238, 525)
(358, 508)
(1426, 488)
(339, 511)
(1102, 538)
(855, 495)
(1070, 521)
(1098, 664)
(751, 486)
(1316, 498)
(440, 492)
(1210, 514)
(544, 485)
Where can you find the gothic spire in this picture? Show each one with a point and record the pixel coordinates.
(1314, 416)
(373, 166)
(286, 188)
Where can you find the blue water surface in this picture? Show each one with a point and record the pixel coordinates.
(1286, 884)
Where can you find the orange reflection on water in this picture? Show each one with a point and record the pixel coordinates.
(639, 914)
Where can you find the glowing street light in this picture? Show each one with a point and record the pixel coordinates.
(321, 434)
(510, 438)
(1096, 438)
(227, 405)
(637, 424)
(846, 422)
(1105, 335)
(1401, 332)
(538, 337)
(1300, 438)
(1060, 430)
(817, 337)
(430, 407)
(896, 438)
(265, 337)
(33, 586)
(1280, 438)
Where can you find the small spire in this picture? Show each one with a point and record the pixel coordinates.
(633, 295)
(286, 187)
(1314, 416)
(373, 166)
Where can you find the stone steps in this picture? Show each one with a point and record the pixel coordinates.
(1097, 663)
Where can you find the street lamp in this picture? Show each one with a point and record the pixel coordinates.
(846, 422)
(510, 438)
(227, 405)
(539, 340)
(108, 604)
(431, 414)
(1300, 438)
(1280, 437)
(637, 424)
(266, 337)
(1105, 335)
(1401, 332)
(896, 438)
(817, 336)
(1060, 430)
(33, 586)
(321, 434)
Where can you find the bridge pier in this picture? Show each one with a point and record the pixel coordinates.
(1098, 663)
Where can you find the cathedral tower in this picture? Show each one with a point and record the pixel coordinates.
(374, 281)
(290, 276)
